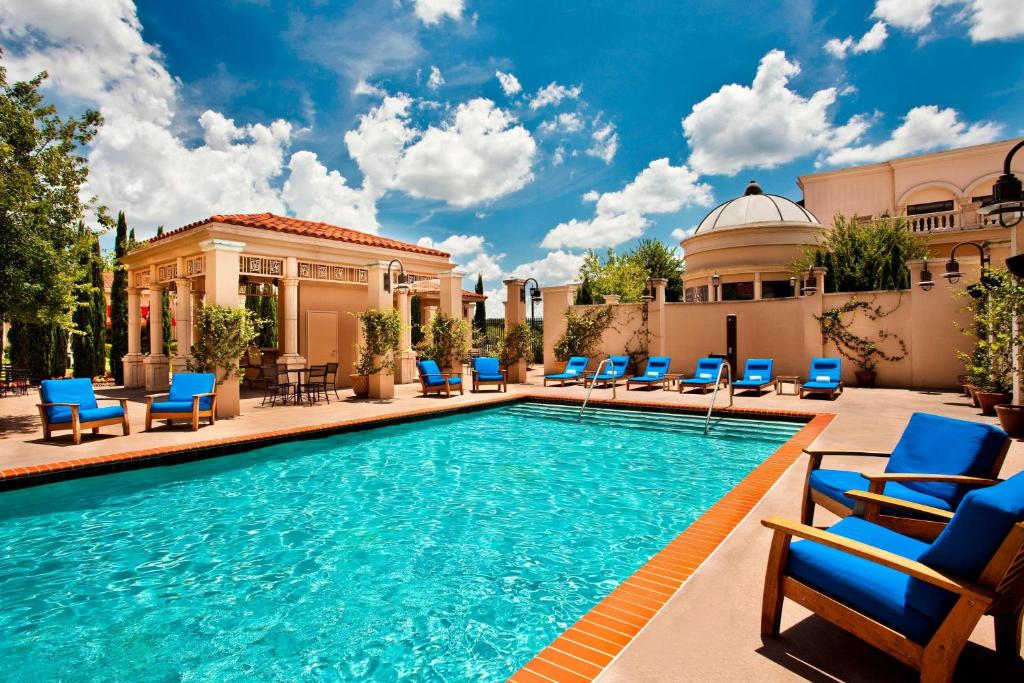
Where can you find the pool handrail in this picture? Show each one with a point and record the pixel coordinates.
(718, 383)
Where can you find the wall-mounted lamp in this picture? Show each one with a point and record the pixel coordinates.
(402, 282)
(953, 273)
(1007, 194)
(535, 295)
(926, 282)
(792, 285)
(810, 286)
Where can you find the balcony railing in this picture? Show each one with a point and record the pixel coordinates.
(941, 221)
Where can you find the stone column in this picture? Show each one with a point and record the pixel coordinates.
(451, 305)
(405, 364)
(656, 317)
(712, 290)
(557, 301)
(757, 286)
(197, 304)
(288, 313)
(182, 318)
(221, 267)
(515, 313)
(382, 384)
(156, 363)
(134, 374)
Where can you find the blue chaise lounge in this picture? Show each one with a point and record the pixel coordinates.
(706, 376)
(573, 372)
(824, 378)
(613, 372)
(192, 396)
(488, 370)
(432, 380)
(757, 375)
(657, 368)
(916, 600)
(72, 404)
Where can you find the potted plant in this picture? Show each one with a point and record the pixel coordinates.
(223, 333)
(865, 353)
(583, 332)
(449, 341)
(381, 340)
(515, 347)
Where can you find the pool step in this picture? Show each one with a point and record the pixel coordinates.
(669, 422)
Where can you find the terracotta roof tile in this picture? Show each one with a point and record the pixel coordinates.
(297, 226)
(473, 296)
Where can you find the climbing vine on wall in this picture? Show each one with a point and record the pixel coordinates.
(864, 352)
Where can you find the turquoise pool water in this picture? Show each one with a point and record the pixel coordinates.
(448, 549)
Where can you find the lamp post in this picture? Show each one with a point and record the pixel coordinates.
(534, 296)
(403, 280)
(953, 273)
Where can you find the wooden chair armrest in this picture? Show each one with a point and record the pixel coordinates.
(832, 451)
(877, 499)
(208, 393)
(891, 560)
(945, 478)
(48, 405)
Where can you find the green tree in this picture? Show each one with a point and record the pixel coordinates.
(480, 316)
(614, 275)
(42, 171)
(99, 309)
(87, 340)
(864, 257)
(165, 308)
(41, 349)
(585, 293)
(119, 302)
(659, 260)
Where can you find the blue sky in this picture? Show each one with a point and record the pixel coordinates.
(630, 119)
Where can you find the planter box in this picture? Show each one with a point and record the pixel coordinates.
(988, 400)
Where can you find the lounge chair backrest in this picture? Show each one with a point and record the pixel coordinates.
(944, 445)
(825, 369)
(758, 370)
(969, 541)
(657, 366)
(428, 367)
(185, 385)
(576, 365)
(619, 364)
(707, 368)
(485, 365)
(78, 391)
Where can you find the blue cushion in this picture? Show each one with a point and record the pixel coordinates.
(822, 368)
(756, 372)
(657, 366)
(619, 364)
(646, 378)
(933, 444)
(756, 383)
(172, 407)
(707, 371)
(435, 381)
(94, 414)
(428, 367)
(981, 523)
(868, 587)
(185, 385)
(487, 366)
(820, 385)
(834, 484)
(67, 391)
(490, 378)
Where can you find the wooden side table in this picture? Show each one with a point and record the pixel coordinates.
(787, 379)
(670, 380)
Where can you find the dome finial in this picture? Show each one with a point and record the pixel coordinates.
(752, 188)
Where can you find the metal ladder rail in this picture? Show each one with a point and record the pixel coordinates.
(718, 382)
(593, 384)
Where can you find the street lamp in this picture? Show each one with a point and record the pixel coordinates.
(715, 281)
(953, 273)
(792, 285)
(1007, 194)
(926, 282)
(534, 295)
(402, 282)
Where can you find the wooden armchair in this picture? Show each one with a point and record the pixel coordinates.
(432, 380)
(72, 404)
(191, 397)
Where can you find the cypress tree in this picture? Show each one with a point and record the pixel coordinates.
(119, 303)
(99, 310)
(42, 350)
(165, 307)
(268, 312)
(83, 343)
(480, 317)
(585, 294)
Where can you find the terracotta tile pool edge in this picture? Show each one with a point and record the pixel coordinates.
(584, 650)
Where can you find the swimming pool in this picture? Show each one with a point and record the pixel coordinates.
(446, 549)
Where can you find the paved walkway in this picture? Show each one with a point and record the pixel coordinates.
(709, 628)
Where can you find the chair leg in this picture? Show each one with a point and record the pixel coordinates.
(76, 432)
(1008, 633)
(125, 427)
(771, 605)
(149, 421)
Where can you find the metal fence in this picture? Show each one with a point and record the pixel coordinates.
(488, 339)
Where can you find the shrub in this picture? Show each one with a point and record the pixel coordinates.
(382, 339)
(990, 366)
(448, 340)
(863, 352)
(517, 345)
(223, 334)
(583, 332)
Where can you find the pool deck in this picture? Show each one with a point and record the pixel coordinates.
(705, 625)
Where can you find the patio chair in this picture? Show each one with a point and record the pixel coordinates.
(316, 384)
(657, 368)
(619, 366)
(276, 387)
(191, 397)
(488, 371)
(824, 378)
(706, 376)
(573, 372)
(757, 375)
(936, 462)
(917, 601)
(332, 379)
(72, 404)
(432, 380)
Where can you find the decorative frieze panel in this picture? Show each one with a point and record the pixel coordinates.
(141, 279)
(195, 266)
(260, 265)
(329, 273)
(167, 272)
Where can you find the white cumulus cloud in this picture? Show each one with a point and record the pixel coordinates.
(313, 192)
(509, 83)
(604, 143)
(567, 122)
(431, 12)
(765, 124)
(553, 93)
(621, 216)
(924, 128)
(555, 268)
(869, 42)
(987, 19)
(436, 80)
(456, 245)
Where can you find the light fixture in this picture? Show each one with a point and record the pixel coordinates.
(402, 282)
(1015, 264)
(534, 295)
(1007, 194)
(953, 273)
(810, 286)
(926, 282)
(648, 294)
(792, 285)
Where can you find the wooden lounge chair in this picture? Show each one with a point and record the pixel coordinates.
(191, 397)
(917, 601)
(432, 380)
(654, 373)
(757, 375)
(937, 461)
(574, 371)
(72, 404)
(824, 378)
(488, 371)
(613, 372)
(706, 376)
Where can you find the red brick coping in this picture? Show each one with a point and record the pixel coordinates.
(589, 645)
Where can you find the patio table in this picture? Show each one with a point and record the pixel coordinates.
(301, 376)
(787, 379)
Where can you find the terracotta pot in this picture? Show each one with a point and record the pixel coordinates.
(1011, 418)
(988, 400)
(962, 381)
(360, 385)
(973, 393)
(865, 378)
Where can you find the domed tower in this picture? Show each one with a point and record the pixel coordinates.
(748, 243)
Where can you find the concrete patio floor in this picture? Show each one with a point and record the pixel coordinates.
(709, 629)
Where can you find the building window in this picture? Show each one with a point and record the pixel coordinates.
(696, 295)
(776, 289)
(737, 291)
(929, 207)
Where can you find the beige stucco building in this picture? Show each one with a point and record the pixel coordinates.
(321, 274)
